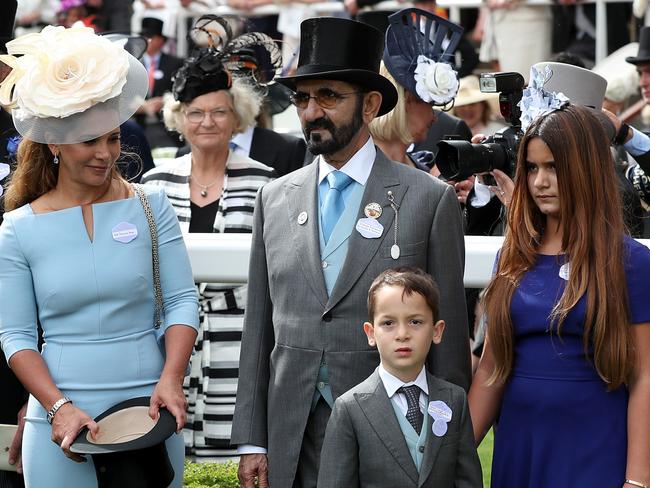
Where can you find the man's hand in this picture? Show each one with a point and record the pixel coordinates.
(17, 442)
(253, 466)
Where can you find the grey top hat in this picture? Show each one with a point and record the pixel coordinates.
(643, 56)
(345, 50)
(583, 87)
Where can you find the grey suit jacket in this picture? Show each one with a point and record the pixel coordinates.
(365, 447)
(291, 325)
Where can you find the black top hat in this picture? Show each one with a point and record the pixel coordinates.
(643, 56)
(376, 18)
(345, 50)
(151, 26)
(129, 450)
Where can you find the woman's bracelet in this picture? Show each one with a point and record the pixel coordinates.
(58, 404)
(637, 483)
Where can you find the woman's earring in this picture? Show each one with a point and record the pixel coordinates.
(56, 159)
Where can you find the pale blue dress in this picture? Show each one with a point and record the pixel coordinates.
(94, 300)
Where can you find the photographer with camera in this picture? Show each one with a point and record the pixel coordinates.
(458, 160)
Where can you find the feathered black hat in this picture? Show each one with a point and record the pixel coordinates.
(211, 68)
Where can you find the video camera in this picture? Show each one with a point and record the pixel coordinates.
(458, 160)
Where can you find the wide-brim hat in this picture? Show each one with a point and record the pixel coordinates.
(332, 48)
(419, 53)
(93, 122)
(580, 85)
(129, 450)
(151, 26)
(102, 85)
(622, 78)
(643, 55)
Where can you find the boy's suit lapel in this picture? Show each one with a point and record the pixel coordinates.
(378, 410)
(433, 443)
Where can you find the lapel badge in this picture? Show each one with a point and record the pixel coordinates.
(372, 210)
(441, 415)
(302, 218)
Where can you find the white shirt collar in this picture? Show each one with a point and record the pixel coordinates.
(392, 383)
(358, 166)
(244, 140)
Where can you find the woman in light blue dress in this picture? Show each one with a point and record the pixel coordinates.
(76, 257)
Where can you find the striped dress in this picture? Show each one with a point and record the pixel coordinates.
(212, 383)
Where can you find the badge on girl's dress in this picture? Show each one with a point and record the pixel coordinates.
(369, 228)
(372, 210)
(124, 232)
(441, 415)
(565, 269)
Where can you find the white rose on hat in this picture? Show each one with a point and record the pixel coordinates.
(435, 82)
(60, 82)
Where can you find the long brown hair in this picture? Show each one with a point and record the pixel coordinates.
(35, 174)
(592, 229)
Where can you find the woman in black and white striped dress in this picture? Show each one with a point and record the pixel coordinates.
(212, 189)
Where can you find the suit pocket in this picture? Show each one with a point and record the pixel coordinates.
(404, 249)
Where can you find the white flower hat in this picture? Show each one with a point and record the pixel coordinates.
(418, 53)
(70, 85)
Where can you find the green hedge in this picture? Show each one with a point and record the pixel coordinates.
(214, 475)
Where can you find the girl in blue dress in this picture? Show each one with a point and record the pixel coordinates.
(565, 371)
(76, 256)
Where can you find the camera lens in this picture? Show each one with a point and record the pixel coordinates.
(458, 160)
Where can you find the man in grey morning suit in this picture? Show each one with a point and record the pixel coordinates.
(303, 344)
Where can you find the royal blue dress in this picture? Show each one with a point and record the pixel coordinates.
(559, 426)
(94, 300)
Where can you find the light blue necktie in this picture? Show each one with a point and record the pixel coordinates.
(333, 204)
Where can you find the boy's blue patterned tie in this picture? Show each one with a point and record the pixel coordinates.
(413, 414)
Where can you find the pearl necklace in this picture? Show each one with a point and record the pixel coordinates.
(204, 188)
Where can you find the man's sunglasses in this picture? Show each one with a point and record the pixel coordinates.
(324, 97)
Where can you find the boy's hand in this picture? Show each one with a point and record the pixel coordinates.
(253, 466)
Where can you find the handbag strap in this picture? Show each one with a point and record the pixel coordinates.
(157, 291)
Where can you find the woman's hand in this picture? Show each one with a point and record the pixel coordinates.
(17, 442)
(504, 188)
(169, 394)
(68, 422)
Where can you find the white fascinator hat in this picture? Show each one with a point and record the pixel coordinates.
(70, 85)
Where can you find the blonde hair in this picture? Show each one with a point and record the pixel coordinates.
(246, 101)
(394, 124)
(35, 174)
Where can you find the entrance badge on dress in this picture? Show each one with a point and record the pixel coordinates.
(369, 228)
(124, 232)
(372, 210)
(565, 269)
(441, 415)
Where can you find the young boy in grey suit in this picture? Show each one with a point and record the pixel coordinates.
(401, 427)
